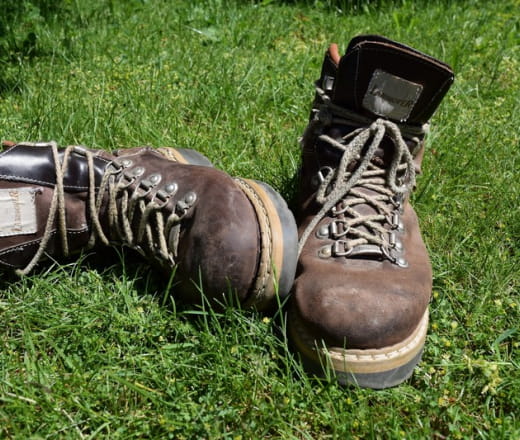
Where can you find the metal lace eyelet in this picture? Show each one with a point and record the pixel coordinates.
(328, 83)
(325, 252)
(401, 262)
(397, 200)
(339, 209)
(166, 192)
(162, 197)
(324, 172)
(136, 172)
(126, 180)
(186, 203)
(190, 198)
(171, 188)
(338, 252)
(150, 182)
(155, 179)
(395, 222)
(395, 243)
(323, 232)
(320, 176)
(334, 230)
(138, 194)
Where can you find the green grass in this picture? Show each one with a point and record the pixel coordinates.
(88, 351)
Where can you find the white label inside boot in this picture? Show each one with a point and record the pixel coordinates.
(391, 96)
(17, 211)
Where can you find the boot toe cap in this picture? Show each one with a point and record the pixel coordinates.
(359, 317)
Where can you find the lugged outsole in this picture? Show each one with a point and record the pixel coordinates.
(372, 368)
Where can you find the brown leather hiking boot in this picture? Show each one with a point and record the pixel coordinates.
(363, 283)
(219, 233)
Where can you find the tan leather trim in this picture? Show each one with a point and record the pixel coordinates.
(172, 154)
(359, 361)
(271, 258)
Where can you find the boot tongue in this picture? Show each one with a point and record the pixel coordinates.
(378, 77)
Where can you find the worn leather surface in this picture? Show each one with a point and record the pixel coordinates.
(35, 165)
(25, 166)
(219, 242)
(365, 302)
(367, 53)
(219, 239)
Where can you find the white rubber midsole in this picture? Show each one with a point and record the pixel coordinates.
(357, 361)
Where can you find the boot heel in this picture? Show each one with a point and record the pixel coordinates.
(279, 247)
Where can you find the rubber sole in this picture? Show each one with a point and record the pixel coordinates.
(279, 244)
(371, 368)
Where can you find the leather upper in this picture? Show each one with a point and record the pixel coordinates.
(217, 240)
(35, 165)
(365, 300)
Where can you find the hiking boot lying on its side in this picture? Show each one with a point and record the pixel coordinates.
(168, 204)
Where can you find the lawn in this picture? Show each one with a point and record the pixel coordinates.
(96, 349)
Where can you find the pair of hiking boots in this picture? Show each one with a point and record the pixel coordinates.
(353, 262)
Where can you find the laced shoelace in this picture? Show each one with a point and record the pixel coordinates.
(341, 190)
(153, 231)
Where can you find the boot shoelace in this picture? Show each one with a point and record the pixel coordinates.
(162, 238)
(383, 188)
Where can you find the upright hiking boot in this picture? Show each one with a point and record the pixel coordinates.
(220, 235)
(364, 279)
